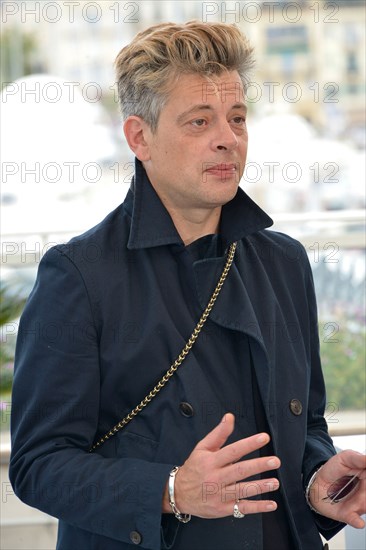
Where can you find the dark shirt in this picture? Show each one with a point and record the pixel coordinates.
(232, 380)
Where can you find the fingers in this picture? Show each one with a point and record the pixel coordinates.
(215, 439)
(356, 521)
(235, 451)
(250, 489)
(248, 468)
(219, 501)
(353, 459)
(254, 506)
(343, 463)
(214, 475)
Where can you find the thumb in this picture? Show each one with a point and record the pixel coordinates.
(355, 521)
(353, 459)
(215, 439)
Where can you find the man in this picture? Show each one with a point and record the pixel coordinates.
(101, 329)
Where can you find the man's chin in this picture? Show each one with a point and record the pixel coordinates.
(220, 199)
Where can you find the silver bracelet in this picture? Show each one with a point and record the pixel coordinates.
(308, 488)
(184, 518)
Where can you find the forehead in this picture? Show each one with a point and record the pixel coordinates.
(191, 89)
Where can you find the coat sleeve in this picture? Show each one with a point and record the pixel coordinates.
(55, 412)
(319, 446)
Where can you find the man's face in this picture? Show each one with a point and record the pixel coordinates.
(197, 155)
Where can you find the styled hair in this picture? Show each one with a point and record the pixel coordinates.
(148, 67)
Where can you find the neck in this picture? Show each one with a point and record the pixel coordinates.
(195, 224)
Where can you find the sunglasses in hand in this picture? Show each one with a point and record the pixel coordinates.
(342, 488)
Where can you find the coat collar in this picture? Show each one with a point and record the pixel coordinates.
(151, 224)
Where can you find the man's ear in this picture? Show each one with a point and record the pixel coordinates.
(137, 131)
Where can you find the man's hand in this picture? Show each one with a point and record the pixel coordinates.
(351, 508)
(213, 477)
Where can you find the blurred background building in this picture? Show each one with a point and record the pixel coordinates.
(65, 163)
(310, 66)
(319, 46)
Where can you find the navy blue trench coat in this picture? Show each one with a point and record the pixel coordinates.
(103, 323)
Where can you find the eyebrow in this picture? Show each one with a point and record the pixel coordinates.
(205, 107)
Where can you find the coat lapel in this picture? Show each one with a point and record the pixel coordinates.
(234, 310)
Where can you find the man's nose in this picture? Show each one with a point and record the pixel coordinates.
(225, 138)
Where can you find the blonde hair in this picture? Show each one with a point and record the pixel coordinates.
(147, 68)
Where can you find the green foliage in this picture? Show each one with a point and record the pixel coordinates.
(11, 305)
(17, 54)
(10, 308)
(5, 410)
(344, 363)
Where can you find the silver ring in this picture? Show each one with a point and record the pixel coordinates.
(237, 513)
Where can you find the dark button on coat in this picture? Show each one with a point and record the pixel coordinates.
(135, 537)
(186, 409)
(296, 407)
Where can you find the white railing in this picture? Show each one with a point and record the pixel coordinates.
(346, 228)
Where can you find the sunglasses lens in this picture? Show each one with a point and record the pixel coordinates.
(341, 488)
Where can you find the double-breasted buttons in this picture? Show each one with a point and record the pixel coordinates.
(135, 537)
(295, 407)
(186, 409)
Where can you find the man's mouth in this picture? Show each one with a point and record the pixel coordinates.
(222, 170)
(233, 167)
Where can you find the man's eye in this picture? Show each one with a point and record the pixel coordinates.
(198, 122)
(239, 120)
